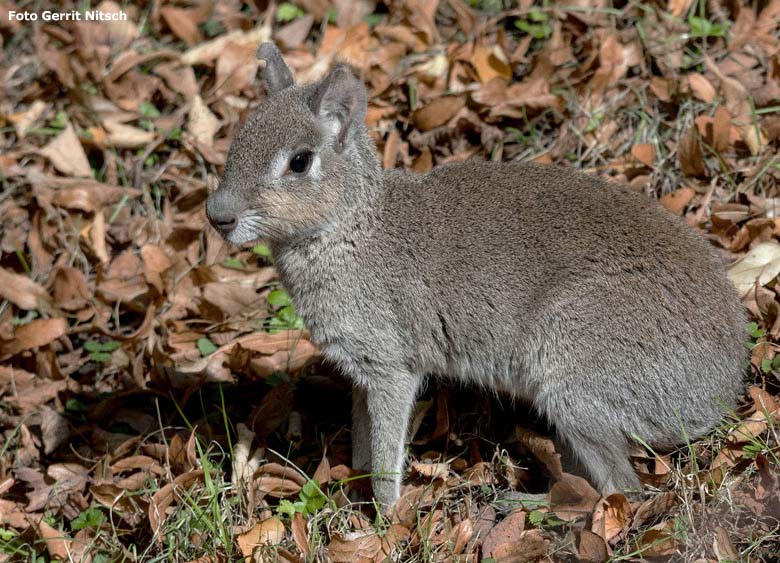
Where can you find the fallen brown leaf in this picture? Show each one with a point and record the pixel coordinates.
(530, 546)
(438, 112)
(678, 7)
(354, 547)
(690, 155)
(721, 129)
(166, 496)
(300, 534)
(592, 547)
(278, 481)
(611, 516)
(677, 200)
(653, 507)
(461, 535)
(117, 499)
(749, 428)
(206, 52)
(124, 136)
(202, 124)
(236, 67)
(22, 291)
(543, 449)
(55, 429)
(38, 332)
(323, 472)
(23, 121)
(184, 23)
(294, 33)
(273, 410)
(430, 470)
(57, 543)
(722, 546)
(507, 531)
(658, 541)
(644, 153)
(490, 63)
(70, 290)
(572, 497)
(701, 87)
(265, 533)
(759, 266)
(66, 153)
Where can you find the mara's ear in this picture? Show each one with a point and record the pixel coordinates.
(341, 98)
(277, 73)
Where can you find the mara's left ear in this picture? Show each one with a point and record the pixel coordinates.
(341, 97)
(277, 73)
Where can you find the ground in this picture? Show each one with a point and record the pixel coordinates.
(159, 397)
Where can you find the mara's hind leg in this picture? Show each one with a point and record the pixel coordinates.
(604, 458)
(592, 438)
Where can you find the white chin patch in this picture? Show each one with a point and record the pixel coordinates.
(241, 234)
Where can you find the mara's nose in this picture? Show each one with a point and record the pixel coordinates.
(221, 216)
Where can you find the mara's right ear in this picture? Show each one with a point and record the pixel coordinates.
(277, 74)
(341, 97)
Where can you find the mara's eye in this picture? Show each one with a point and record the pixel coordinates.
(300, 162)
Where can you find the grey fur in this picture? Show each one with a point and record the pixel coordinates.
(277, 73)
(608, 314)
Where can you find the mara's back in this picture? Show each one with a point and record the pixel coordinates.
(543, 227)
(527, 278)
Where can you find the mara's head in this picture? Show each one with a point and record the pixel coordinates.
(301, 157)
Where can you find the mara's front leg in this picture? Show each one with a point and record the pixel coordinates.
(389, 402)
(361, 429)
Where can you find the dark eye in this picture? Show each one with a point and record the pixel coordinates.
(300, 162)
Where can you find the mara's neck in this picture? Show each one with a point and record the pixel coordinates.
(312, 265)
